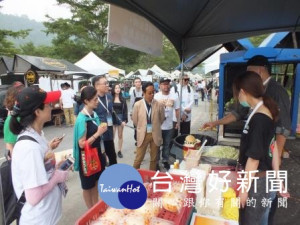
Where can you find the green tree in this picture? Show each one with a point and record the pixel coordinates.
(83, 32)
(257, 40)
(86, 31)
(7, 47)
(41, 51)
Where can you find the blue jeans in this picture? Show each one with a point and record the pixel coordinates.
(167, 136)
(196, 102)
(257, 215)
(265, 218)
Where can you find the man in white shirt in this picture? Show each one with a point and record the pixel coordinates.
(135, 95)
(171, 103)
(186, 106)
(67, 103)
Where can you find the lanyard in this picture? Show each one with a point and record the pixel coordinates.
(148, 112)
(250, 116)
(266, 81)
(86, 112)
(103, 104)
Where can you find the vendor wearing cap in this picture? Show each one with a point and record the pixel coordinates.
(34, 174)
(171, 103)
(261, 66)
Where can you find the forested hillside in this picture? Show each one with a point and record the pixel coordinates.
(15, 23)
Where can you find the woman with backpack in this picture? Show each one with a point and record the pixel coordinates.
(120, 115)
(34, 172)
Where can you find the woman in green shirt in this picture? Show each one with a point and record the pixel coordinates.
(9, 102)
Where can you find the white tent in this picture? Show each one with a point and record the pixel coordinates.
(129, 75)
(159, 72)
(213, 62)
(94, 65)
(145, 75)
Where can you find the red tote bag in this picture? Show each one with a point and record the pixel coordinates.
(90, 160)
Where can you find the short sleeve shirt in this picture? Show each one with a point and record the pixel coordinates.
(9, 137)
(32, 166)
(258, 141)
(170, 102)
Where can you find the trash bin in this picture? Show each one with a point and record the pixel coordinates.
(179, 141)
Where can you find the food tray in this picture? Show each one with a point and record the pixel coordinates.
(215, 160)
(178, 218)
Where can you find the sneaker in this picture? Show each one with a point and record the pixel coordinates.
(120, 155)
(166, 165)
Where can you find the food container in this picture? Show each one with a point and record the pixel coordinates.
(192, 159)
(179, 218)
(178, 144)
(199, 219)
(216, 160)
(186, 148)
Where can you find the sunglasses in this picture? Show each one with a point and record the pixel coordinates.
(187, 79)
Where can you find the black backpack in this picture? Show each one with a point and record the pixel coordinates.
(11, 205)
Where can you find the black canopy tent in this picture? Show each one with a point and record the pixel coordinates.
(287, 40)
(7, 75)
(195, 25)
(6, 65)
(57, 69)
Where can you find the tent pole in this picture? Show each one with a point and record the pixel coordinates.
(180, 96)
(51, 88)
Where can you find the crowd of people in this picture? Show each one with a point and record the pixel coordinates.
(159, 113)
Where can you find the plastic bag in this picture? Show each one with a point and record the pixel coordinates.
(90, 160)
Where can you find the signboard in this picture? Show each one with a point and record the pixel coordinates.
(133, 31)
(113, 73)
(31, 77)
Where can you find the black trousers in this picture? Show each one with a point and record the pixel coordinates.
(185, 128)
(109, 147)
(202, 94)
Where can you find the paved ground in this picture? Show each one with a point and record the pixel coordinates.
(74, 207)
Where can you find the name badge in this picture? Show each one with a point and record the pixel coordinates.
(149, 128)
(109, 120)
(102, 146)
(166, 112)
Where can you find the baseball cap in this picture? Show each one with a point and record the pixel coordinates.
(30, 98)
(164, 79)
(258, 60)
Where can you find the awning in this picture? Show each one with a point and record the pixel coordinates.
(6, 65)
(195, 25)
(60, 68)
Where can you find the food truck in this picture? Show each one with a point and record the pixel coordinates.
(285, 68)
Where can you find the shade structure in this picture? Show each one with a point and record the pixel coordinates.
(195, 25)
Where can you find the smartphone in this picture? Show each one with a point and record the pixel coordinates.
(67, 164)
(60, 138)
